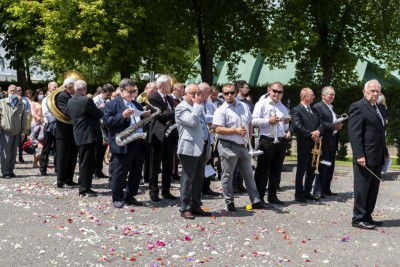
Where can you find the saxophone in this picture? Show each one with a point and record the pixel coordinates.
(128, 135)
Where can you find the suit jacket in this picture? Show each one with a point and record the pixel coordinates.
(63, 130)
(329, 140)
(303, 123)
(175, 99)
(161, 121)
(86, 119)
(116, 123)
(366, 133)
(191, 142)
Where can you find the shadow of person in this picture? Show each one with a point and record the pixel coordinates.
(391, 223)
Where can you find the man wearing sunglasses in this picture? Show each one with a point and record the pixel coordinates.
(272, 118)
(232, 122)
(127, 160)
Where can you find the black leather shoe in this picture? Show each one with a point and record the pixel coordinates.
(21, 159)
(73, 184)
(210, 192)
(133, 202)
(300, 199)
(13, 175)
(88, 193)
(261, 206)
(187, 215)
(311, 197)
(168, 195)
(7, 176)
(277, 202)
(377, 223)
(364, 225)
(154, 198)
(65, 186)
(43, 173)
(201, 212)
(231, 207)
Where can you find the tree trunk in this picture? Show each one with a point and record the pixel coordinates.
(28, 73)
(21, 78)
(206, 59)
(327, 69)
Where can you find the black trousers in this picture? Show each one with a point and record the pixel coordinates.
(131, 165)
(366, 188)
(269, 166)
(304, 159)
(49, 142)
(161, 153)
(326, 172)
(67, 154)
(100, 151)
(86, 166)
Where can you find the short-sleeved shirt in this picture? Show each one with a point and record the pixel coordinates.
(230, 116)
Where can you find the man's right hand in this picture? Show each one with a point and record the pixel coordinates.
(361, 161)
(127, 113)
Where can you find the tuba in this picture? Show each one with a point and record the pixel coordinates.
(51, 100)
(128, 135)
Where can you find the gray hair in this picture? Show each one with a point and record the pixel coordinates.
(163, 79)
(125, 83)
(367, 84)
(203, 86)
(189, 86)
(68, 81)
(80, 86)
(326, 89)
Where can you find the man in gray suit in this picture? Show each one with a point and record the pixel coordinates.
(193, 151)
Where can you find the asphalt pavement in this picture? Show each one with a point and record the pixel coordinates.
(41, 225)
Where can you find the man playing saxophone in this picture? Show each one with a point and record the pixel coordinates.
(128, 159)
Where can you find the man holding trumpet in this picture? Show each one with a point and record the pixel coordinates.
(272, 118)
(306, 124)
(322, 187)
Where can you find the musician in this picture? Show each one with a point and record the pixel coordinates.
(148, 91)
(367, 138)
(66, 152)
(100, 101)
(49, 131)
(306, 124)
(228, 122)
(330, 138)
(193, 150)
(208, 110)
(161, 147)
(177, 94)
(274, 134)
(216, 101)
(85, 117)
(127, 160)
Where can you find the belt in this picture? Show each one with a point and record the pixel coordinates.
(231, 142)
(272, 139)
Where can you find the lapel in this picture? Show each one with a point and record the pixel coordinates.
(308, 113)
(328, 112)
(121, 103)
(371, 109)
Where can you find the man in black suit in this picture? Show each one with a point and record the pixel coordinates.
(119, 115)
(66, 152)
(322, 187)
(306, 124)
(161, 147)
(85, 117)
(367, 139)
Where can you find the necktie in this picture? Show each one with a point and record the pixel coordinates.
(379, 114)
(166, 103)
(309, 110)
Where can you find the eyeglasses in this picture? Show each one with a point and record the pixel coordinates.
(194, 93)
(229, 93)
(131, 91)
(277, 91)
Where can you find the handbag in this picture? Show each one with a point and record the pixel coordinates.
(28, 147)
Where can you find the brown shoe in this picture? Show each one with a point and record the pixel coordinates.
(187, 215)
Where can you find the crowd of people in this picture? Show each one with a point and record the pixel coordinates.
(198, 127)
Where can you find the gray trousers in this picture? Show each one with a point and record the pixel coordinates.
(191, 181)
(234, 156)
(8, 146)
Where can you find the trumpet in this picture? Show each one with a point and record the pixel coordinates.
(246, 140)
(316, 154)
(273, 129)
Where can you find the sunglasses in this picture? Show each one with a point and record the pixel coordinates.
(229, 93)
(277, 91)
(131, 91)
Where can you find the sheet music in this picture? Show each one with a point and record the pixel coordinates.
(209, 171)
